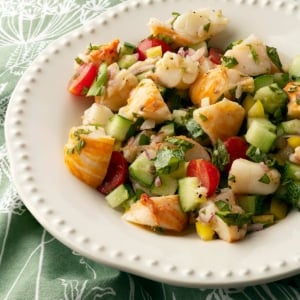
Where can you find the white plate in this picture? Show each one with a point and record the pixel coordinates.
(38, 119)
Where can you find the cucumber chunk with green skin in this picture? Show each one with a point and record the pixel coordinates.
(294, 69)
(260, 136)
(263, 80)
(142, 170)
(266, 220)
(127, 48)
(289, 127)
(180, 172)
(117, 196)
(254, 204)
(167, 130)
(272, 97)
(118, 127)
(188, 191)
(164, 185)
(127, 60)
(291, 171)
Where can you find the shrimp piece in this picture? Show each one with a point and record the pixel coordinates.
(146, 101)
(96, 114)
(217, 82)
(175, 71)
(191, 27)
(118, 88)
(87, 153)
(164, 212)
(228, 233)
(105, 53)
(220, 120)
(251, 57)
(293, 91)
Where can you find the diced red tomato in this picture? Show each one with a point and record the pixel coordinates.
(237, 148)
(116, 173)
(207, 172)
(83, 79)
(215, 55)
(148, 43)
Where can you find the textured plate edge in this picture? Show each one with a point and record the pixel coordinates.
(228, 277)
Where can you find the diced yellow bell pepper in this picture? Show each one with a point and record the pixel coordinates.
(154, 52)
(256, 110)
(278, 208)
(294, 141)
(205, 231)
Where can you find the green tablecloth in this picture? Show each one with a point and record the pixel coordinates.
(33, 264)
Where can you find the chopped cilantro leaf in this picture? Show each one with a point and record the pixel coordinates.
(219, 156)
(265, 179)
(229, 61)
(274, 57)
(167, 160)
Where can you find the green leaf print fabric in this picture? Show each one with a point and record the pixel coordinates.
(33, 264)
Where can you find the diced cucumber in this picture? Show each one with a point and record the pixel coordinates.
(263, 122)
(168, 186)
(142, 138)
(118, 127)
(263, 80)
(142, 170)
(179, 116)
(291, 171)
(278, 208)
(289, 127)
(294, 70)
(127, 60)
(117, 196)
(251, 203)
(281, 79)
(266, 219)
(189, 197)
(272, 97)
(127, 48)
(260, 135)
(167, 130)
(180, 172)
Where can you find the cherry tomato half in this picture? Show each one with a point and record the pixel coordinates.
(148, 43)
(215, 55)
(116, 173)
(237, 148)
(83, 79)
(207, 172)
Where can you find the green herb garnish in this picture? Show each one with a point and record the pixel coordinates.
(229, 61)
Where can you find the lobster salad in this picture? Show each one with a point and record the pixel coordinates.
(182, 134)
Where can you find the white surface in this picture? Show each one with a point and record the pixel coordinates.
(41, 112)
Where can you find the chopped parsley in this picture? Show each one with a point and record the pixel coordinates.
(265, 179)
(206, 27)
(253, 53)
(219, 156)
(79, 142)
(274, 57)
(229, 61)
(168, 160)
